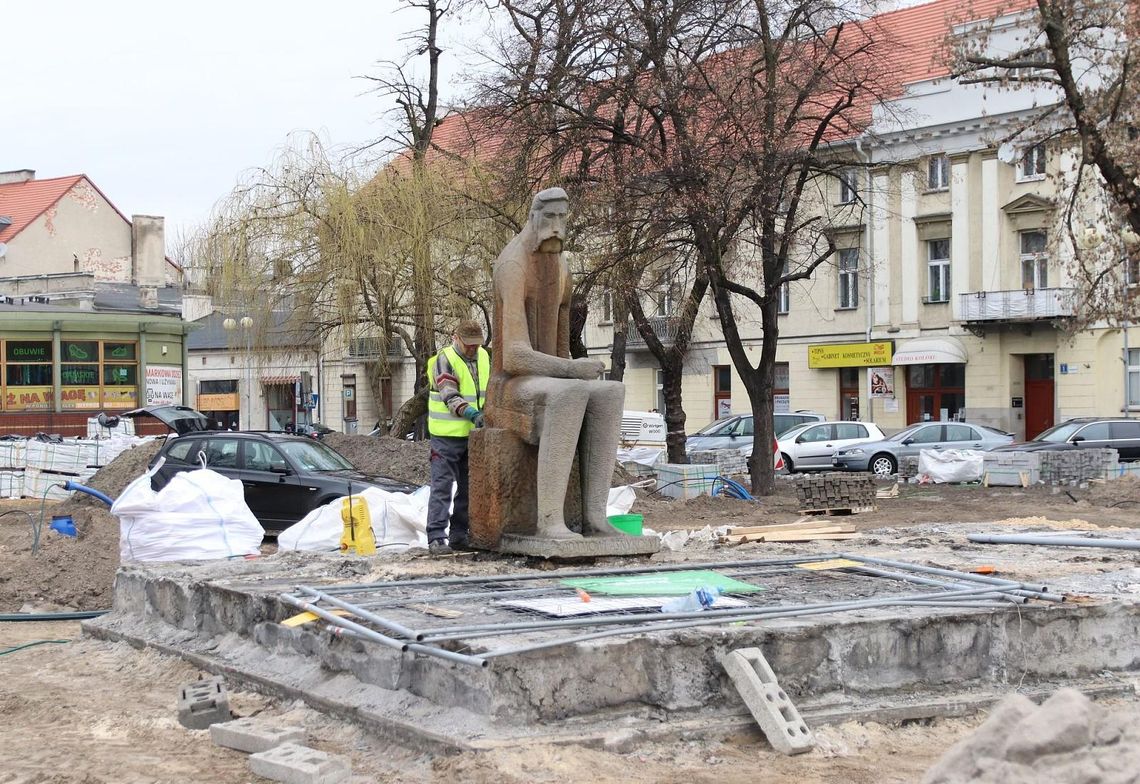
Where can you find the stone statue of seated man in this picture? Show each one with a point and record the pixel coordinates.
(536, 390)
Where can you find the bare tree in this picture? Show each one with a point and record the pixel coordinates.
(1082, 60)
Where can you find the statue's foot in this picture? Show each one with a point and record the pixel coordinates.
(556, 531)
(602, 528)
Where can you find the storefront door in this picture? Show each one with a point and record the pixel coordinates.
(849, 393)
(1038, 393)
(935, 392)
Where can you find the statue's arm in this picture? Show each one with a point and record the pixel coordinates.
(519, 357)
(564, 314)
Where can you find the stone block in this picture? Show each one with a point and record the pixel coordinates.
(295, 764)
(203, 703)
(586, 547)
(767, 702)
(253, 735)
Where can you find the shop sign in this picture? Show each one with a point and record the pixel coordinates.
(79, 397)
(782, 404)
(28, 399)
(881, 382)
(218, 401)
(837, 355)
(164, 385)
(28, 351)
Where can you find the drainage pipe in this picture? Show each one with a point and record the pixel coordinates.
(502, 578)
(698, 617)
(53, 616)
(391, 626)
(686, 624)
(973, 578)
(374, 636)
(1055, 541)
(76, 487)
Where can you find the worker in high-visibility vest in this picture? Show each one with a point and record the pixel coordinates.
(457, 380)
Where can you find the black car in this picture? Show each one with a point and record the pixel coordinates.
(285, 476)
(1120, 434)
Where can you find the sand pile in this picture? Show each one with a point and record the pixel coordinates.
(408, 461)
(1067, 740)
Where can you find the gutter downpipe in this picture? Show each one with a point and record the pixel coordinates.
(869, 245)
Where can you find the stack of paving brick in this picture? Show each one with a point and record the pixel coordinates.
(729, 462)
(908, 467)
(836, 491)
(1079, 465)
(1011, 469)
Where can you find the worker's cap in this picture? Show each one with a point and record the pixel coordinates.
(470, 333)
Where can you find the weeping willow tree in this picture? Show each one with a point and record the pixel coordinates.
(349, 254)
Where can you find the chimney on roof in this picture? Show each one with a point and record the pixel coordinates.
(148, 251)
(17, 175)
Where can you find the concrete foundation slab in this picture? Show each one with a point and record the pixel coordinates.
(586, 547)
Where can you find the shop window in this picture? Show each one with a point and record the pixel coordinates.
(722, 391)
(849, 394)
(1133, 360)
(849, 278)
(781, 391)
(1034, 260)
(226, 386)
(28, 375)
(937, 172)
(938, 264)
(936, 392)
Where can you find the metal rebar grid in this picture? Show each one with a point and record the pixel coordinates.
(465, 619)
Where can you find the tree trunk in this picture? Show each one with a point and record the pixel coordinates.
(620, 316)
(674, 411)
(759, 383)
(579, 310)
(409, 414)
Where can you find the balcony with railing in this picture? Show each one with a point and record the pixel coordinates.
(664, 327)
(1016, 305)
(374, 347)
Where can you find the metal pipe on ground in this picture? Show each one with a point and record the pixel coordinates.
(672, 626)
(918, 580)
(374, 636)
(1055, 541)
(974, 578)
(499, 578)
(700, 617)
(384, 623)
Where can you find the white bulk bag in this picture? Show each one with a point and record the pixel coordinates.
(399, 521)
(620, 500)
(199, 515)
(951, 465)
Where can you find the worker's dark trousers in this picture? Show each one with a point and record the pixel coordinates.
(448, 464)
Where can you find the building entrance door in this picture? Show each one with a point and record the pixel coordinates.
(935, 393)
(1039, 393)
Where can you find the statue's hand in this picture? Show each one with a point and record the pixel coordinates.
(587, 369)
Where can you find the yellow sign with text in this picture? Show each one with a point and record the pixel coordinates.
(839, 355)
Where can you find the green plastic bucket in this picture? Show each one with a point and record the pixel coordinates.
(628, 523)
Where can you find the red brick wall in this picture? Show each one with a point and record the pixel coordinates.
(69, 424)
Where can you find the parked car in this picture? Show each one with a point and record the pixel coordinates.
(314, 430)
(1123, 435)
(736, 432)
(811, 446)
(882, 457)
(285, 476)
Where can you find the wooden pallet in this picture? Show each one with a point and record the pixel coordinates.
(799, 531)
(838, 510)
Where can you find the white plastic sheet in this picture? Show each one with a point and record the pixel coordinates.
(620, 500)
(199, 515)
(950, 465)
(642, 455)
(399, 522)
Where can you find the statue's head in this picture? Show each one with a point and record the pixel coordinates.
(548, 214)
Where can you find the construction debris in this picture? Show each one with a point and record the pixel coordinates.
(767, 702)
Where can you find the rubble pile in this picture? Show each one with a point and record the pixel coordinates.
(835, 491)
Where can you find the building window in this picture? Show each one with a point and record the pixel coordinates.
(607, 307)
(93, 374)
(722, 391)
(781, 389)
(938, 263)
(937, 172)
(1034, 261)
(1032, 165)
(1134, 378)
(660, 396)
(665, 302)
(27, 375)
(227, 386)
(849, 278)
(1132, 270)
(848, 186)
(935, 393)
(783, 299)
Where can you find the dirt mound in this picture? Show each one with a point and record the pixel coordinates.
(408, 461)
(1123, 492)
(1065, 739)
(114, 477)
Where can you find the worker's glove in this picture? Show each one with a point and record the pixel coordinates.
(478, 419)
(474, 415)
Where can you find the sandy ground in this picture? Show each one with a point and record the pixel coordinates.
(90, 712)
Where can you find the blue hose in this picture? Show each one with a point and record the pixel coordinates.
(731, 488)
(69, 485)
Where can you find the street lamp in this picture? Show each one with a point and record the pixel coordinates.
(246, 324)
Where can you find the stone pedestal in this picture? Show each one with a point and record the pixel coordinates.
(586, 547)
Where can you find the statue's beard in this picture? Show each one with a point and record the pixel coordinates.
(550, 245)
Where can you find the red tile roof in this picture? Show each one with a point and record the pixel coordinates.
(23, 202)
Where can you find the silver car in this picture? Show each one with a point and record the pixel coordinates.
(735, 432)
(882, 457)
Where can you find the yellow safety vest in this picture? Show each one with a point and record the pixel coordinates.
(441, 422)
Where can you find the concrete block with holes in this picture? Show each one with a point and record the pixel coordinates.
(295, 764)
(768, 703)
(203, 703)
(253, 735)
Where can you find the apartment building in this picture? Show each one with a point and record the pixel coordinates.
(947, 295)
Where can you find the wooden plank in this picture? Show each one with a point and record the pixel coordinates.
(810, 537)
(759, 529)
(773, 536)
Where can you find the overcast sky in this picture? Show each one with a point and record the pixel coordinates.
(163, 105)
